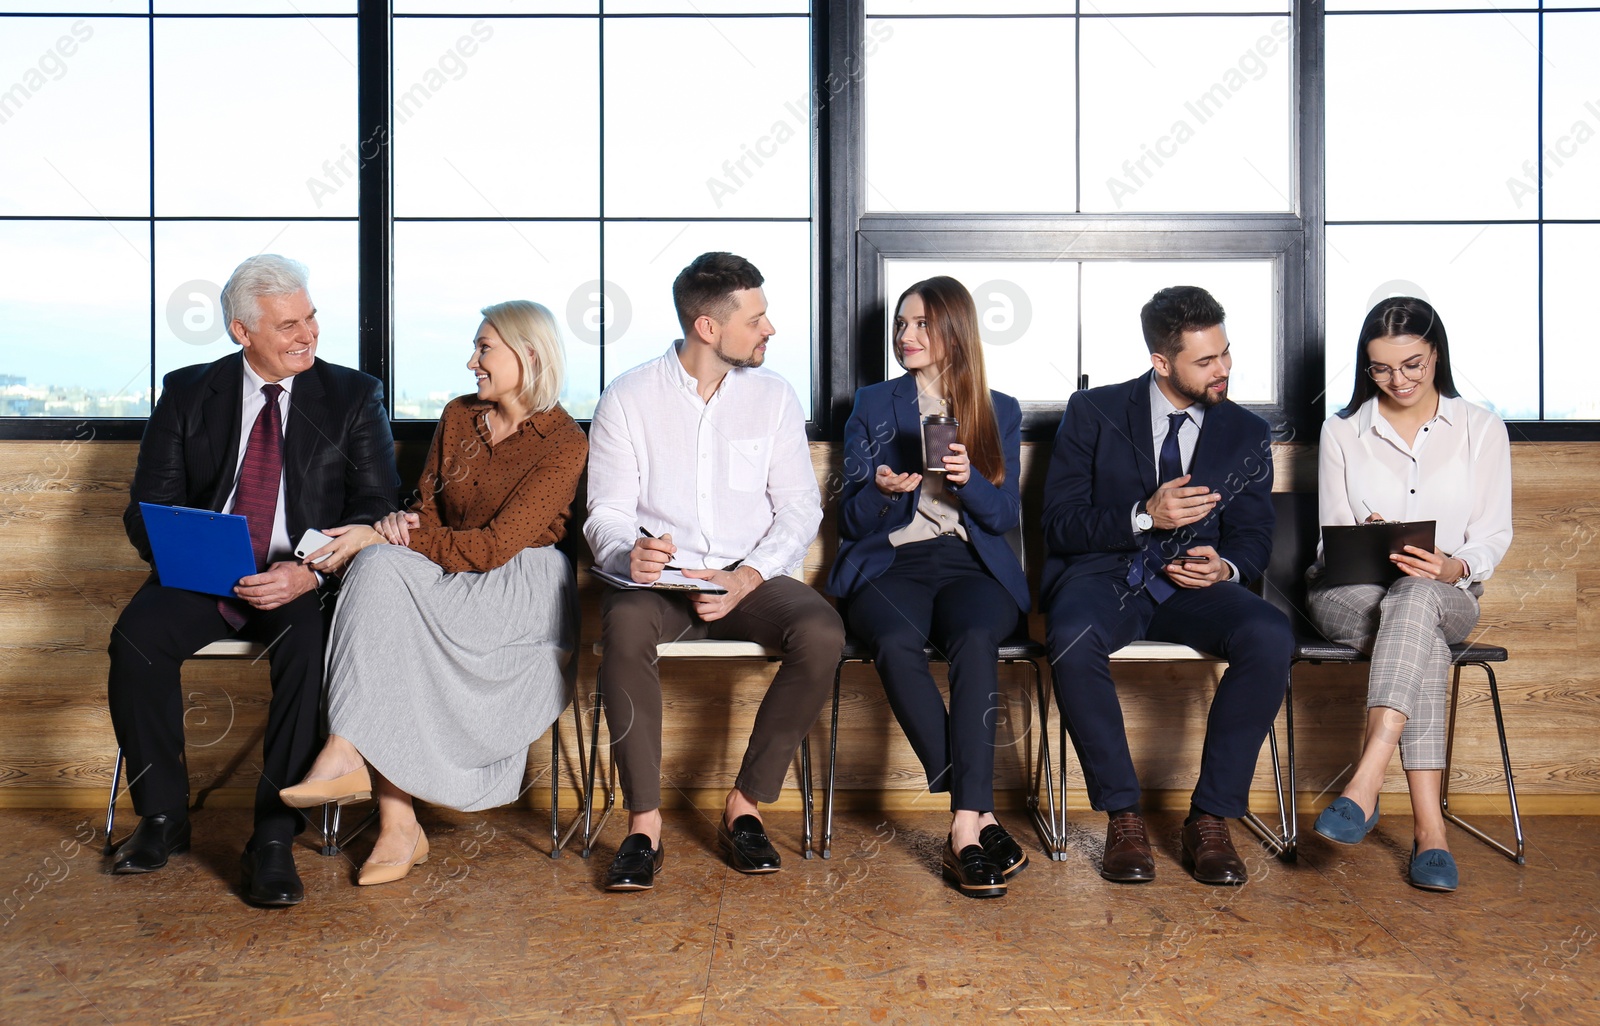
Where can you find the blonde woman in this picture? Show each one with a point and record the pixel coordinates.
(454, 624)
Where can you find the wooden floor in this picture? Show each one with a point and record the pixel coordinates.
(492, 930)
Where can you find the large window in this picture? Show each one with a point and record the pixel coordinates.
(1062, 158)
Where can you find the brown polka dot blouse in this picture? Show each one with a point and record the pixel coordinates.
(482, 504)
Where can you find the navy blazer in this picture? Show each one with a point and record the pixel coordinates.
(886, 427)
(338, 455)
(1105, 461)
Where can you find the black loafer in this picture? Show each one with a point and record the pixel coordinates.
(152, 841)
(972, 872)
(636, 864)
(269, 875)
(747, 846)
(1003, 850)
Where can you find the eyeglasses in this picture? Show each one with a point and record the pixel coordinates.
(1411, 370)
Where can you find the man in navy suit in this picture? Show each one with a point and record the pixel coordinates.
(291, 442)
(1157, 514)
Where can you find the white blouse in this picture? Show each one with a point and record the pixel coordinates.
(1457, 472)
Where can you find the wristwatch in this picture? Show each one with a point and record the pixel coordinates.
(1142, 520)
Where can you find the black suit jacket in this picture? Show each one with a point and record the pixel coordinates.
(1105, 461)
(338, 458)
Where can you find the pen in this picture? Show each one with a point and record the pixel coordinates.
(669, 566)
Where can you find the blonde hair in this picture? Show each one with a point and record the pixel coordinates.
(529, 329)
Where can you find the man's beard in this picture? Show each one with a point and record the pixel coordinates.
(755, 359)
(1204, 396)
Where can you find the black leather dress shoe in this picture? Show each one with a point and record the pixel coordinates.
(1128, 858)
(1208, 852)
(269, 875)
(1003, 850)
(747, 847)
(636, 864)
(152, 841)
(972, 872)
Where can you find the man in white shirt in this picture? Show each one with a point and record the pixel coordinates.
(698, 460)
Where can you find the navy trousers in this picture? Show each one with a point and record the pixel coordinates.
(1090, 617)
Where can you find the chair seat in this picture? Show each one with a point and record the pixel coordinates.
(1318, 650)
(709, 648)
(232, 648)
(1018, 646)
(1160, 651)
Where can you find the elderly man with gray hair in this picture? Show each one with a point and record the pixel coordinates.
(291, 443)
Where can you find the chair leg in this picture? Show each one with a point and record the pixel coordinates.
(591, 829)
(1519, 856)
(1280, 842)
(111, 802)
(1050, 834)
(807, 798)
(580, 817)
(833, 761)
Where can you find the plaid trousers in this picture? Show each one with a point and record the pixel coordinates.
(1407, 628)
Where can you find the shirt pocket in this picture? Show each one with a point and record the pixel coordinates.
(748, 459)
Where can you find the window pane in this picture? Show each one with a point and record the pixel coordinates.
(1571, 359)
(642, 259)
(255, 117)
(1571, 121)
(1422, 5)
(286, 7)
(458, 86)
(1427, 114)
(195, 258)
(446, 272)
(672, 151)
(987, 151)
(704, 7)
(924, 7)
(1186, 7)
(74, 319)
(1115, 291)
(90, 74)
(1027, 314)
(498, 6)
(1187, 114)
(1483, 280)
(75, 6)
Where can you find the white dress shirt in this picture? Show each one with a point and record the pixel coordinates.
(1456, 472)
(279, 548)
(729, 479)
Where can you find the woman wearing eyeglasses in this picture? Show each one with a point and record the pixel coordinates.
(1408, 447)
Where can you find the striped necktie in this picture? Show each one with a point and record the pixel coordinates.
(257, 496)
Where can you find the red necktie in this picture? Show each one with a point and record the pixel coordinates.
(257, 497)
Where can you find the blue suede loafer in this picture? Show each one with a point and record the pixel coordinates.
(1342, 821)
(1433, 870)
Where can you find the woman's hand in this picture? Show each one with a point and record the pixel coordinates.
(892, 484)
(958, 468)
(347, 541)
(396, 527)
(1435, 565)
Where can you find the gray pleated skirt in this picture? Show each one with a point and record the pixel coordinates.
(442, 681)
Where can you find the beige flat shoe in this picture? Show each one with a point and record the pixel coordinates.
(355, 786)
(388, 872)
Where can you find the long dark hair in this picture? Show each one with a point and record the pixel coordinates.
(953, 321)
(1394, 317)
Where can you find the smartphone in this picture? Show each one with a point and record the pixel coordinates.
(1188, 559)
(310, 542)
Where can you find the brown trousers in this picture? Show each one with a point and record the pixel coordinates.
(782, 613)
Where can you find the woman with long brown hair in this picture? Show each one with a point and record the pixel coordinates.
(923, 560)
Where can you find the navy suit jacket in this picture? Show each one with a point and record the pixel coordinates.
(1105, 461)
(886, 427)
(338, 455)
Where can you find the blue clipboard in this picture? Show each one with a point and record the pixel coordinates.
(197, 549)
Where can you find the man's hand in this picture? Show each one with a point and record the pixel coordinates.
(347, 541)
(280, 584)
(1174, 506)
(649, 557)
(1435, 565)
(739, 583)
(892, 484)
(396, 527)
(1202, 574)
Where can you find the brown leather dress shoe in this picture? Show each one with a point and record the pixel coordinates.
(1208, 852)
(1127, 858)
